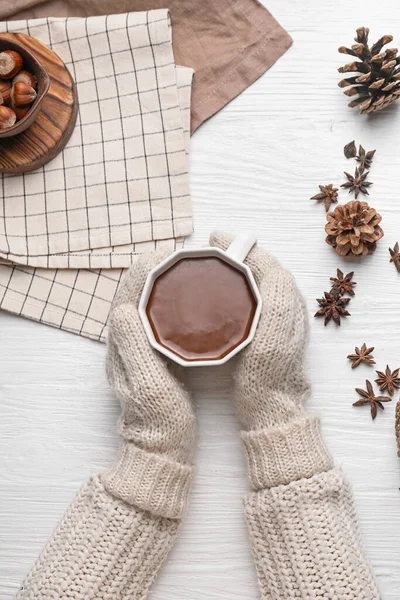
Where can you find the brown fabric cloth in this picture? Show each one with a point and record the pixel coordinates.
(229, 43)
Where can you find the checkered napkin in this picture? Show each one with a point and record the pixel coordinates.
(122, 178)
(79, 300)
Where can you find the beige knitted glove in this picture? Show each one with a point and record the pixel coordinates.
(118, 531)
(301, 517)
(158, 421)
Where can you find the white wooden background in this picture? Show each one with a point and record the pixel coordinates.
(254, 167)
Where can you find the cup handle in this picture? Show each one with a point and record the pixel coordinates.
(241, 246)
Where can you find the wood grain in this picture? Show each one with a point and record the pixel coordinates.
(253, 166)
(52, 128)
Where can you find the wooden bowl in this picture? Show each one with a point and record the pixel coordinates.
(30, 63)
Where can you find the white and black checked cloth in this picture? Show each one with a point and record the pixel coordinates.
(113, 220)
(122, 178)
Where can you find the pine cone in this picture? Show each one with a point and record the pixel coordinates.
(378, 81)
(353, 228)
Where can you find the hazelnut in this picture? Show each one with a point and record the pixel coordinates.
(10, 64)
(21, 111)
(7, 117)
(22, 94)
(5, 92)
(26, 77)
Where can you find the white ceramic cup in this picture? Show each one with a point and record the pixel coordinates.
(234, 256)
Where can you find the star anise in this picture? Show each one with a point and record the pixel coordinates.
(389, 380)
(357, 183)
(368, 397)
(395, 254)
(362, 355)
(333, 306)
(350, 150)
(343, 284)
(365, 158)
(328, 194)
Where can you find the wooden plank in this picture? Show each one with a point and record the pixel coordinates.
(253, 166)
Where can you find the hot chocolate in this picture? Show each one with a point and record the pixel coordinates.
(201, 308)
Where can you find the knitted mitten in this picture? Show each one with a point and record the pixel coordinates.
(121, 526)
(301, 516)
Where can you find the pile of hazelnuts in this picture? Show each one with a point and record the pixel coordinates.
(17, 89)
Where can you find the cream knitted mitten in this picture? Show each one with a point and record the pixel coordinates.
(301, 516)
(119, 529)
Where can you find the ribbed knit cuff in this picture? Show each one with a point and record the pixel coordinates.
(149, 481)
(306, 542)
(279, 455)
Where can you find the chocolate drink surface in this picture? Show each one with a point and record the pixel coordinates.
(201, 308)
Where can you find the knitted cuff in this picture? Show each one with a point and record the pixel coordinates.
(279, 455)
(150, 481)
(103, 549)
(306, 542)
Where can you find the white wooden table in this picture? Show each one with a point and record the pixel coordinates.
(254, 167)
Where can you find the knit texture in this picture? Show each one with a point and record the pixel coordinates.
(116, 534)
(158, 422)
(150, 482)
(104, 549)
(301, 517)
(283, 454)
(271, 385)
(305, 541)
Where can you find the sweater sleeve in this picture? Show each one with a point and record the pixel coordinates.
(104, 548)
(302, 520)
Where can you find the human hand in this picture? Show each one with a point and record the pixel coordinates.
(158, 419)
(271, 385)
